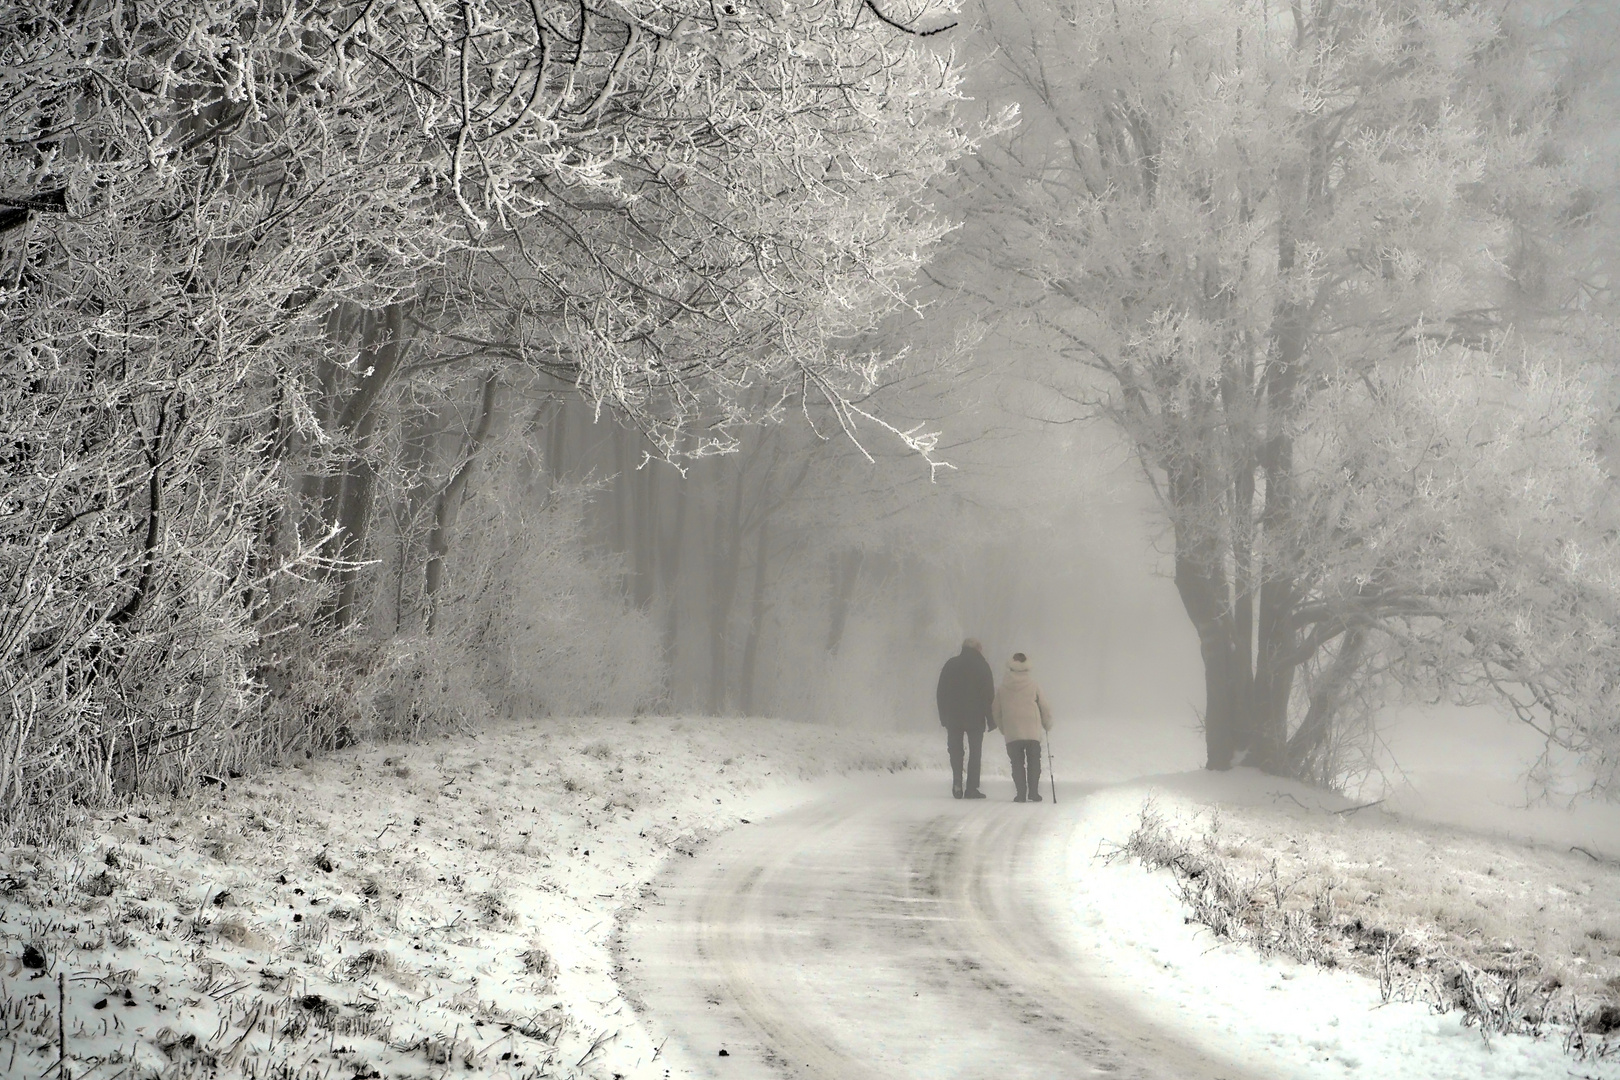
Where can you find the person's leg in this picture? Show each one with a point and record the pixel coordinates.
(953, 740)
(1032, 770)
(1015, 755)
(975, 740)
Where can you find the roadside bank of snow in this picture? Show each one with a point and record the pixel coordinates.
(389, 910)
(1287, 1019)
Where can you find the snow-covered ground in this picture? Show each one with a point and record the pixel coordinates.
(1273, 1014)
(402, 911)
(387, 911)
(1453, 855)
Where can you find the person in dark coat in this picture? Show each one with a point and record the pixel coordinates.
(966, 690)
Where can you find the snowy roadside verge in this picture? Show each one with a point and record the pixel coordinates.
(388, 910)
(1288, 1019)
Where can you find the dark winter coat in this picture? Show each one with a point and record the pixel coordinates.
(967, 687)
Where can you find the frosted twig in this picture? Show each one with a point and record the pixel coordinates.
(601, 1040)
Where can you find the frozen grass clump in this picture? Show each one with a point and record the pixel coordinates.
(1487, 927)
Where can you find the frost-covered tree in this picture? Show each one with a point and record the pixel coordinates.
(239, 241)
(1275, 245)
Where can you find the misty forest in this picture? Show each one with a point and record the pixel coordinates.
(531, 426)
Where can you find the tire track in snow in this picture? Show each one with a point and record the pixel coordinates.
(883, 931)
(1006, 914)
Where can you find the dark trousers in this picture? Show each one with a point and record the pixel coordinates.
(1025, 755)
(975, 743)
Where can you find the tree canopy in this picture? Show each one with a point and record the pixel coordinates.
(1285, 251)
(259, 257)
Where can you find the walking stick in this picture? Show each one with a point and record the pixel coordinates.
(1049, 773)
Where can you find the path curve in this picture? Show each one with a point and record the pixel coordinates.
(887, 930)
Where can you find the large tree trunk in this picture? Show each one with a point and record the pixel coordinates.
(634, 498)
(725, 555)
(354, 514)
(556, 451)
(154, 451)
(1279, 592)
(756, 618)
(1309, 753)
(1245, 595)
(645, 551)
(448, 504)
(845, 571)
(1203, 601)
(379, 360)
(1205, 596)
(415, 451)
(669, 563)
(1274, 671)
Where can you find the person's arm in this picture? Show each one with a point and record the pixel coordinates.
(1046, 712)
(995, 711)
(987, 694)
(940, 693)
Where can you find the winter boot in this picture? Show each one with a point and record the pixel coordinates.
(1035, 780)
(956, 788)
(1018, 782)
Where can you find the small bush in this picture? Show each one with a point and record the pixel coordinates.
(239, 933)
(101, 884)
(373, 962)
(536, 961)
(494, 908)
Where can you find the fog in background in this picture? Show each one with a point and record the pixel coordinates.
(453, 459)
(1088, 598)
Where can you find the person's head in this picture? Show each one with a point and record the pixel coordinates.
(972, 643)
(1020, 658)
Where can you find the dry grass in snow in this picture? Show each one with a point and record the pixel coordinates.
(387, 911)
(1520, 937)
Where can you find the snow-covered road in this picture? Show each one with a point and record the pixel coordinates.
(887, 930)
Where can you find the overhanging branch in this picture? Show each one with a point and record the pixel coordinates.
(900, 26)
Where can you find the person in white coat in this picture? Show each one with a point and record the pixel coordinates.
(1021, 712)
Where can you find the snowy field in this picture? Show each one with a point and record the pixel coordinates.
(387, 911)
(416, 911)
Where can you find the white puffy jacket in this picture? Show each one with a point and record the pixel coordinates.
(1020, 710)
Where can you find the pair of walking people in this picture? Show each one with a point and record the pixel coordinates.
(970, 704)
